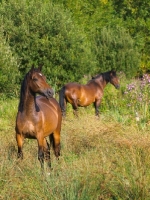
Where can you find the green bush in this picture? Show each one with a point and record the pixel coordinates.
(8, 69)
(48, 36)
(73, 39)
(117, 50)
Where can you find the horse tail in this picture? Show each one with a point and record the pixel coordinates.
(62, 99)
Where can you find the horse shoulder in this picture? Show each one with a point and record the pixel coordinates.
(50, 104)
(97, 89)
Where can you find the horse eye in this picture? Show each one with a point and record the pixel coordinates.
(35, 79)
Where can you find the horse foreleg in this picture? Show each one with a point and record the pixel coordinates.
(97, 105)
(19, 140)
(47, 152)
(41, 152)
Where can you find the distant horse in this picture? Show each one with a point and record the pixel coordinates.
(38, 116)
(84, 95)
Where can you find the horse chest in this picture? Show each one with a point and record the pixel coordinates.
(28, 129)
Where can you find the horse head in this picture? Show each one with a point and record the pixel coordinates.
(113, 79)
(37, 83)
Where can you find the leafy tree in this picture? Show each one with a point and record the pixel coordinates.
(8, 69)
(117, 50)
(48, 36)
(75, 38)
(136, 16)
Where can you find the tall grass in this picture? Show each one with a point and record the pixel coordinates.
(105, 158)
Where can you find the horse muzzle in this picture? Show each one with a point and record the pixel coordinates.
(117, 86)
(48, 93)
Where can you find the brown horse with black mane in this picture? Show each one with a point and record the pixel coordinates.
(38, 116)
(84, 95)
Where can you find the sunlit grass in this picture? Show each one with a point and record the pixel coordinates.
(105, 158)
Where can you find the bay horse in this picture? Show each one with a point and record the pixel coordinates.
(38, 116)
(83, 95)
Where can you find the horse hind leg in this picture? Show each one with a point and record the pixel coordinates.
(75, 108)
(19, 140)
(41, 151)
(55, 142)
(47, 152)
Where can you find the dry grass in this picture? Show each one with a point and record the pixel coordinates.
(101, 159)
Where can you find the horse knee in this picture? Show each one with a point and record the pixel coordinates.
(41, 156)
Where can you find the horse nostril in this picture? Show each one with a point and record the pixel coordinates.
(117, 86)
(50, 92)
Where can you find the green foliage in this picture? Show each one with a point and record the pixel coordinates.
(100, 159)
(8, 69)
(136, 96)
(136, 16)
(77, 38)
(117, 50)
(48, 36)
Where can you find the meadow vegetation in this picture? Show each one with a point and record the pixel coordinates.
(105, 158)
(101, 159)
(72, 39)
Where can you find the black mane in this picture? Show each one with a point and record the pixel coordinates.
(105, 75)
(23, 90)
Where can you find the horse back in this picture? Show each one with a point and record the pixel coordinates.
(72, 91)
(82, 94)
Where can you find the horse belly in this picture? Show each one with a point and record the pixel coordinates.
(50, 125)
(85, 101)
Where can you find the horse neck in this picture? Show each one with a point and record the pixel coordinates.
(28, 102)
(101, 82)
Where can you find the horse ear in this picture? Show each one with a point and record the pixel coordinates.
(31, 70)
(113, 70)
(40, 67)
(32, 67)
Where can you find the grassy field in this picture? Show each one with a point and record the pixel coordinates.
(101, 159)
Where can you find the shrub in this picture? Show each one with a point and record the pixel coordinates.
(116, 50)
(8, 69)
(137, 95)
(48, 36)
